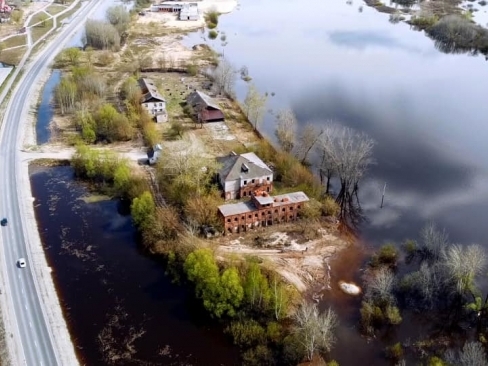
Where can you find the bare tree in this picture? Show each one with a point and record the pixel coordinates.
(433, 244)
(349, 154)
(224, 77)
(285, 129)
(101, 35)
(472, 354)
(66, 93)
(254, 105)
(307, 140)
(315, 330)
(380, 285)
(463, 264)
(119, 17)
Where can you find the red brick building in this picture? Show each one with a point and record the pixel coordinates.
(261, 210)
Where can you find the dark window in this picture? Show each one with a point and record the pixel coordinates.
(244, 194)
(298, 206)
(267, 189)
(283, 209)
(245, 182)
(243, 217)
(250, 216)
(235, 219)
(269, 212)
(228, 220)
(276, 211)
(255, 215)
(263, 213)
(291, 216)
(252, 181)
(291, 208)
(267, 178)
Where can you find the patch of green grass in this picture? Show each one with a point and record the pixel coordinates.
(15, 41)
(39, 30)
(55, 9)
(12, 57)
(38, 18)
(94, 198)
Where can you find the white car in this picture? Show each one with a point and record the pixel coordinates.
(21, 262)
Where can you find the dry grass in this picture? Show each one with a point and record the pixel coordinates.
(55, 9)
(6, 29)
(4, 358)
(12, 57)
(15, 41)
(38, 18)
(66, 15)
(38, 31)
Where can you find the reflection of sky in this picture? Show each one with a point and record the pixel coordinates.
(425, 109)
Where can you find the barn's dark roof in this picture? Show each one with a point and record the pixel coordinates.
(149, 90)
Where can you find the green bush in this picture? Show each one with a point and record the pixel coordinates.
(387, 255)
(247, 333)
(395, 352)
(330, 207)
(212, 34)
(211, 25)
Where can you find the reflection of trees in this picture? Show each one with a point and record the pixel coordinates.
(455, 34)
(346, 155)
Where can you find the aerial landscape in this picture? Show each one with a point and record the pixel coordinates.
(222, 182)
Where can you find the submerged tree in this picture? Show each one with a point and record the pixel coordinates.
(224, 77)
(315, 330)
(346, 153)
(286, 123)
(254, 106)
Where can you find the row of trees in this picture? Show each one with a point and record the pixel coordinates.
(342, 152)
(107, 34)
(440, 281)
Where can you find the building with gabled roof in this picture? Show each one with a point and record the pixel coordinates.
(151, 99)
(243, 174)
(205, 107)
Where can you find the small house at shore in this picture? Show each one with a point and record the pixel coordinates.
(206, 109)
(154, 153)
(153, 102)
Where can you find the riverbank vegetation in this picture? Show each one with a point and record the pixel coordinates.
(434, 282)
(451, 27)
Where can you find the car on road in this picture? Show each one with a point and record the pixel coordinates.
(4, 222)
(21, 262)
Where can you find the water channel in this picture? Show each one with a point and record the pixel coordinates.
(424, 108)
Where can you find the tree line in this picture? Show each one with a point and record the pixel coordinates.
(107, 34)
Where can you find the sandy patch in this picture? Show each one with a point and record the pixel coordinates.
(305, 265)
(219, 131)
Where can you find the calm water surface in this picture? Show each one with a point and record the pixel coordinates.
(426, 110)
(102, 276)
(45, 111)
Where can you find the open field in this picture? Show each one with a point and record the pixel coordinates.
(13, 56)
(39, 17)
(15, 41)
(66, 15)
(55, 9)
(39, 30)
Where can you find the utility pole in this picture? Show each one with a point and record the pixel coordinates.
(383, 196)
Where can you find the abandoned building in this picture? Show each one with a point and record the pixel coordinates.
(206, 109)
(262, 210)
(243, 174)
(186, 10)
(154, 102)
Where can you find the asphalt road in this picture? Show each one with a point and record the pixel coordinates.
(32, 328)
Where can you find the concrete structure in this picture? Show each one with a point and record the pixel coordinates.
(154, 102)
(189, 12)
(243, 174)
(261, 210)
(4, 73)
(186, 10)
(205, 107)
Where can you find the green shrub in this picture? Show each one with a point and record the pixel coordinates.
(212, 34)
(395, 352)
(435, 361)
(247, 333)
(330, 207)
(387, 255)
(212, 17)
(211, 25)
(424, 21)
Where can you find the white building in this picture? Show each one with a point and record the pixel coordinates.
(154, 102)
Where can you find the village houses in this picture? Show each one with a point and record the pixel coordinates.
(206, 109)
(247, 176)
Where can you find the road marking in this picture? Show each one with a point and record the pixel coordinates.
(22, 289)
(26, 308)
(35, 343)
(30, 324)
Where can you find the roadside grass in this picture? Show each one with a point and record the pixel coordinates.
(38, 31)
(13, 56)
(38, 18)
(63, 16)
(55, 9)
(4, 358)
(15, 41)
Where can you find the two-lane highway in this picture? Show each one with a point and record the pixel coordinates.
(31, 329)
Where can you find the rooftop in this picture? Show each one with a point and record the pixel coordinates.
(199, 97)
(237, 208)
(264, 200)
(284, 199)
(245, 166)
(149, 90)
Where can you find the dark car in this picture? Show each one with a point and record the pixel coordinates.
(4, 221)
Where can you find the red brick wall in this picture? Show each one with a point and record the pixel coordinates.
(261, 217)
(249, 188)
